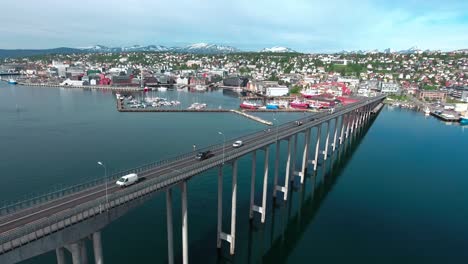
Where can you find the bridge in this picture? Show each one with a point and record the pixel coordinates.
(66, 219)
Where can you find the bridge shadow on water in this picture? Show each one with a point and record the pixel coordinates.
(287, 221)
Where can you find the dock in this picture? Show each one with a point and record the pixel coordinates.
(93, 87)
(255, 118)
(445, 118)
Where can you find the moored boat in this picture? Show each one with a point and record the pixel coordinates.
(248, 105)
(299, 104)
(427, 111)
(12, 81)
(464, 119)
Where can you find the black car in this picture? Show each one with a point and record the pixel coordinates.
(204, 155)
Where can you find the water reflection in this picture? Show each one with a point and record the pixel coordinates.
(286, 233)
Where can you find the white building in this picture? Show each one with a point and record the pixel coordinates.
(72, 83)
(389, 87)
(276, 91)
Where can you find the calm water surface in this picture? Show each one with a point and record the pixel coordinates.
(396, 194)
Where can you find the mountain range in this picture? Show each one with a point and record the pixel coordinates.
(197, 48)
(412, 50)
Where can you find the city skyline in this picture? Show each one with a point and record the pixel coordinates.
(304, 26)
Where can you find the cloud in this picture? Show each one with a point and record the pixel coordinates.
(304, 25)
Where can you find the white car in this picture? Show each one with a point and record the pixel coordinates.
(237, 144)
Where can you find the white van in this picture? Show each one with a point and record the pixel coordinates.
(127, 180)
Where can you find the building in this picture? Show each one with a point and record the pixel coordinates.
(389, 87)
(459, 92)
(431, 95)
(236, 81)
(276, 91)
(268, 88)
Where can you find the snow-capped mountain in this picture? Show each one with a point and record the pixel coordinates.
(277, 50)
(198, 48)
(206, 48)
(411, 50)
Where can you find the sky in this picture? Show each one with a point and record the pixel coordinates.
(303, 25)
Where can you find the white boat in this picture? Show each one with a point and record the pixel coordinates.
(12, 81)
(162, 89)
(199, 87)
(427, 111)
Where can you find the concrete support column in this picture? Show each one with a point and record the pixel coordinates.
(353, 121)
(84, 255)
(325, 152)
(220, 206)
(60, 252)
(252, 184)
(317, 147)
(335, 135)
(288, 170)
(184, 222)
(293, 161)
(233, 206)
(305, 155)
(348, 123)
(343, 127)
(97, 248)
(75, 250)
(170, 237)
(265, 184)
(275, 181)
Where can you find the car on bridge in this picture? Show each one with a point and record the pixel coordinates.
(237, 144)
(127, 180)
(298, 123)
(203, 155)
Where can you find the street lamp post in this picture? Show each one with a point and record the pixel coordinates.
(224, 142)
(105, 181)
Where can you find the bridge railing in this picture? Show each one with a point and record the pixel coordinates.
(37, 229)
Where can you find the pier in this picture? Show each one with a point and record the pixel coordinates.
(445, 117)
(93, 87)
(255, 118)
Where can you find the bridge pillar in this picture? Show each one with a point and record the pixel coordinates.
(317, 147)
(305, 155)
(275, 179)
(252, 184)
(325, 151)
(293, 159)
(335, 135)
(233, 206)
(220, 206)
(221, 235)
(343, 127)
(75, 250)
(60, 252)
(83, 252)
(348, 123)
(286, 178)
(170, 236)
(265, 185)
(184, 222)
(97, 248)
(353, 121)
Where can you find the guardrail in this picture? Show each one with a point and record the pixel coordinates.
(35, 230)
